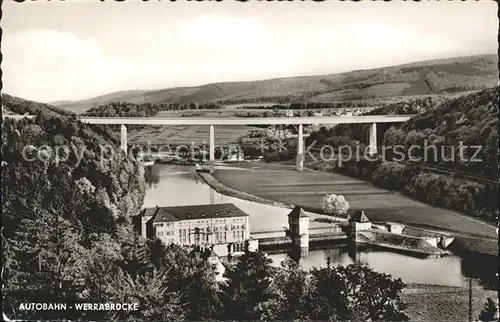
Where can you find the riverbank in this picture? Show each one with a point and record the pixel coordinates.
(282, 184)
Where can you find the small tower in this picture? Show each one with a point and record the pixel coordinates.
(298, 223)
(358, 221)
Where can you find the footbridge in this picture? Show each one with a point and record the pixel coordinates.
(212, 122)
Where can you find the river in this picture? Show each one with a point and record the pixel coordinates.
(175, 185)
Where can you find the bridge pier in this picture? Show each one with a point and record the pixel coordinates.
(211, 159)
(300, 149)
(123, 139)
(372, 148)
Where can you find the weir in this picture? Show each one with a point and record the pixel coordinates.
(357, 230)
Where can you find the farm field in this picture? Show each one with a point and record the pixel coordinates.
(308, 188)
(183, 134)
(442, 303)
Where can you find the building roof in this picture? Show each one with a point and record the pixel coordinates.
(168, 214)
(358, 216)
(298, 212)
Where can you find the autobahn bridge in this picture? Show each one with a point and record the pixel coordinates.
(373, 120)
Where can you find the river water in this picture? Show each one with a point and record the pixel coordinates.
(174, 185)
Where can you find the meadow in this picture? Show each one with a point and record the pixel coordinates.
(308, 188)
(183, 134)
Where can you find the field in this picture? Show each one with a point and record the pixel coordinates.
(308, 188)
(183, 134)
(442, 76)
(443, 303)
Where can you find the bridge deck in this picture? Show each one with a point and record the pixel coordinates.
(247, 121)
(237, 121)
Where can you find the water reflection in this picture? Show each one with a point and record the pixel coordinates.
(443, 271)
(175, 185)
(152, 176)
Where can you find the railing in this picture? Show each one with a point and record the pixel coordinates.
(257, 232)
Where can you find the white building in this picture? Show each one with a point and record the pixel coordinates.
(222, 227)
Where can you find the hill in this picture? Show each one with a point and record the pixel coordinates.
(422, 157)
(17, 105)
(442, 76)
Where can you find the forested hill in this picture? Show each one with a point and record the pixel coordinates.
(433, 77)
(16, 105)
(62, 218)
(124, 109)
(438, 174)
(472, 120)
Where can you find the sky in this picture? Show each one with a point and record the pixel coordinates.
(79, 49)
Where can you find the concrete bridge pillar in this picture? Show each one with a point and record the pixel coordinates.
(372, 148)
(123, 139)
(211, 159)
(300, 149)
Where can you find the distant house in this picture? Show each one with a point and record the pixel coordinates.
(235, 157)
(222, 227)
(320, 113)
(289, 113)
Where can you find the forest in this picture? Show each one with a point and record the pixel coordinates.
(122, 109)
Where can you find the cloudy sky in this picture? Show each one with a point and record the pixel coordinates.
(76, 49)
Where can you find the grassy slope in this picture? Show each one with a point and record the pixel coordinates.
(183, 134)
(382, 83)
(282, 183)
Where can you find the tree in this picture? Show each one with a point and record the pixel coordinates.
(335, 204)
(290, 300)
(194, 280)
(248, 284)
(489, 312)
(355, 293)
(157, 302)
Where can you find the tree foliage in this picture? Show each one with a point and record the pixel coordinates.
(335, 204)
(489, 312)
